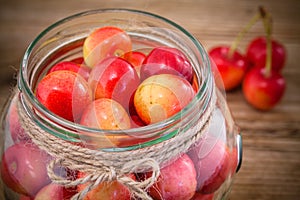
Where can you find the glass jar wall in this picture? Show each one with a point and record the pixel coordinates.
(193, 154)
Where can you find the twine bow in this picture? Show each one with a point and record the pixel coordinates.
(96, 175)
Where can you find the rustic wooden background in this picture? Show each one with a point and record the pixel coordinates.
(271, 165)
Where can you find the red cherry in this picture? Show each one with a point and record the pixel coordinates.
(212, 169)
(65, 93)
(261, 91)
(256, 53)
(166, 60)
(54, 191)
(114, 78)
(113, 190)
(232, 68)
(105, 42)
(136, 59)
(177, 180)
(23, 168)
(84, 71)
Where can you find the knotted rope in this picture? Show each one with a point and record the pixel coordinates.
(101, 166)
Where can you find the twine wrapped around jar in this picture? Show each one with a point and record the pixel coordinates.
(100, 166)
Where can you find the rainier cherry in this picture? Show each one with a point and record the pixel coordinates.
(83, 70)
(263, 91)
(65, 93)
(263, 87)
(256, 53)
(105, 114)
(105, 42)
(54, 191)
(114, 78)
(232, 68)
(24, 168)
(213, 169)
(176, 180)
(136, 59)
(166, 60)
(161, 96)
(107, 190)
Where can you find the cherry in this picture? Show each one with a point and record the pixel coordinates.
(231, 68)
(263, 87)
(105, 114)
(136, 59)
(114, 78)
(161, 96)
(54, 191)
(261, 91)
(166, 60)
(113, 190)
(105, 42)
(65, 93)
(84, 71)
(177, 180)
(256, 53)
(232, 65)
(23, 168)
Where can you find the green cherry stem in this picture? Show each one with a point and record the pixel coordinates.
(267, 21)
(241, 34)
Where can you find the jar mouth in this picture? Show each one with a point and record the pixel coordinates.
(204, 80)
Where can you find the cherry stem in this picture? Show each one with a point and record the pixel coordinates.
(241, 34)
(267, 21)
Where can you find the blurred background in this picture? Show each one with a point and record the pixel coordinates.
(271, 165)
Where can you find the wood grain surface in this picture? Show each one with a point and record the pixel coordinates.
(271, 165)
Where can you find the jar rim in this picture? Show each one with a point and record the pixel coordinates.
(24, 84)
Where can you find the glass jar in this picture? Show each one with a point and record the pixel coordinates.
(194, 154)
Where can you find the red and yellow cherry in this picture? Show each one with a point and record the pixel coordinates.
(114, 78)
(106, 114)
(176, 180)
(263, 91)
(166, 60)
(64, 93)
(232, 68)
(135, 58)
(23, 168)
(16, 130)
(107, 190)
(257, 53)
(105, 42)
(84, 71)
(54, 191)
(161, 96)
(213, 168)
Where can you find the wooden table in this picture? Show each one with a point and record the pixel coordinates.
(271, 165)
